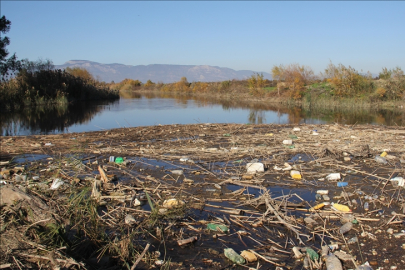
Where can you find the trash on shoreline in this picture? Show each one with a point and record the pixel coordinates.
(246, 191)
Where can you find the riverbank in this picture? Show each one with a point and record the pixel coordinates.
(312, 100)
(110, 213)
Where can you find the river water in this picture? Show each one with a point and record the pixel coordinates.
(134, 109)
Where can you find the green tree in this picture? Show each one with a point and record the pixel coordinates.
(10, 65)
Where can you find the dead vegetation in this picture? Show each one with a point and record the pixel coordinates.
(184, 194)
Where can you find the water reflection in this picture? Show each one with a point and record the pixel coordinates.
(134, 109)
(49, 120)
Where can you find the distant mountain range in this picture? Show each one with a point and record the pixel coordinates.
(160, 73)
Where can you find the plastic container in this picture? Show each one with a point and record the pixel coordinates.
(319, 206)
(398, 181)
(333, 263)
(380, 160)
(364, 267)
(333, 176)
(313, 255)
(347, 218)
(353, 240)
(366, 206)
(233, 256)
(325, 198)
(56, 184)
(346, 227)
(342, 184)
(217, 227)
(119, 160)
(249, 256)
(341, 207)
(295, 175)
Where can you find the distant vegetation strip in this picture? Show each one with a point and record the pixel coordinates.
(39, 84)
(337, 85)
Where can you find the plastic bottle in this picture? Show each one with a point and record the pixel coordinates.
(365, 266)
(380, 159)
(342, 184)
(318, 206)
(341, 207)
(312, 254)
(333, 176)
(398, 181)
(333, 263)
(346, 227)
(119, 160)
(366, 206)
(353, 240)
(295, 175)
(217, 227)
(233, 256)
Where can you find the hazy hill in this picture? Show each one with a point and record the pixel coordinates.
(160, 73)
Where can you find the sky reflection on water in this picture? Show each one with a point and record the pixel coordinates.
(133, 109)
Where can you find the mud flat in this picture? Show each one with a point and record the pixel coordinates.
(179, 196)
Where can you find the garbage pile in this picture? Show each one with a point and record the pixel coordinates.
(206, 196)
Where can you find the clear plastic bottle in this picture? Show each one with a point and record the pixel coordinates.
(233, 256)
(333, 263)
(380, 160)
(366, 206)
(346, 227)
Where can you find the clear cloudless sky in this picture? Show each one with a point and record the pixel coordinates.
(254, 35)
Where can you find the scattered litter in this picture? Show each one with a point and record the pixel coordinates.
(295, 175)
(381, 160)
(398, 181)
(233, 256)
(254, 167)
(333, 177)
(171, 203)
(119, 160)
(177, 172)
(130, 220)
(56, 184)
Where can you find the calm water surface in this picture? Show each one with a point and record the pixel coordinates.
(133, 109)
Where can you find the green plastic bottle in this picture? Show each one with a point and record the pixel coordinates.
(217, 227)
(233, 256)
(119, 160)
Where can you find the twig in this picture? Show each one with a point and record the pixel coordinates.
(140, 257)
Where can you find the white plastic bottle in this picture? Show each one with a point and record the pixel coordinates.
(333, 263)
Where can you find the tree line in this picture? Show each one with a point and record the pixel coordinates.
(37, 83)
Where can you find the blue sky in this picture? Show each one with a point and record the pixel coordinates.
(236, 34)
